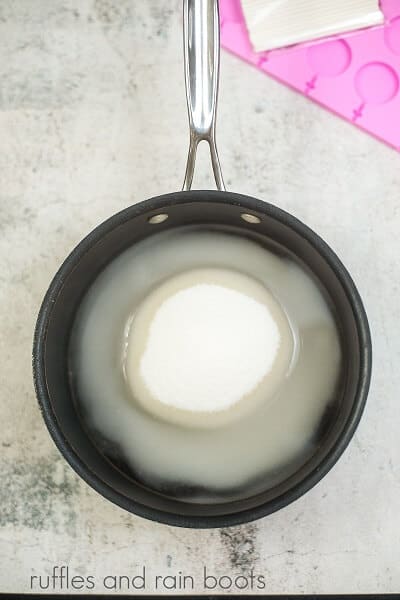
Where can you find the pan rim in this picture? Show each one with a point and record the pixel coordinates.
(248, 514)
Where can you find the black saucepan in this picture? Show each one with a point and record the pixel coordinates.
(221, 211)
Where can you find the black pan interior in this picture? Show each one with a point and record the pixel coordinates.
(221, 211)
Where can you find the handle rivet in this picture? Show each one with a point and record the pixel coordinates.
(253, 219)
(156, 219)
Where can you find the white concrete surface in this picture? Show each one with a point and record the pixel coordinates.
(93, 119)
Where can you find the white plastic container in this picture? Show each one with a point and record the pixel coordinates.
(277, 23)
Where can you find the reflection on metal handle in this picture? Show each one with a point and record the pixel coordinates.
(201, 51)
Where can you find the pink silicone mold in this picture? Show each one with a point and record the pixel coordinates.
(356, 76)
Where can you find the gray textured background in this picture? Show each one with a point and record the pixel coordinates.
(93, 119)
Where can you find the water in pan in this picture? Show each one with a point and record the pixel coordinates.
(243, 446)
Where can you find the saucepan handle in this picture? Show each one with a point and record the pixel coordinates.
(201, 55)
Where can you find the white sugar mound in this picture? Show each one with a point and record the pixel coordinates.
(208, 346)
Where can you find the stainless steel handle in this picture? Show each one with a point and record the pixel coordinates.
(201, 52)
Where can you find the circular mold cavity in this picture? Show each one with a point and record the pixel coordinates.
(392, 35)
(156, 219)
(329, 59)
(376, 83)
(253, 219)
